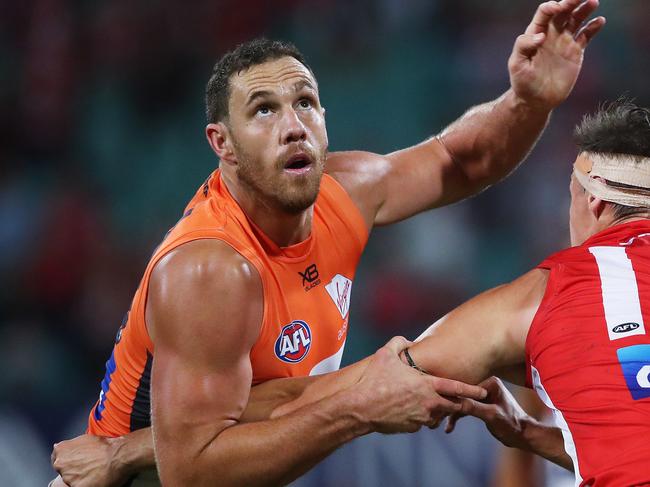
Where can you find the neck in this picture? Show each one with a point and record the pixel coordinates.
(628, 219)
(283, 228)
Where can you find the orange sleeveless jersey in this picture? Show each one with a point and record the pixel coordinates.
(306, 298)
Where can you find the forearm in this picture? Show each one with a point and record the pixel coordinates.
(133, 452)
(546, 441)
(268, 396)
(320, 387)
(491, 139)
(272, 452)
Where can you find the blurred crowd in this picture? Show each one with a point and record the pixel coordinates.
(101, 145)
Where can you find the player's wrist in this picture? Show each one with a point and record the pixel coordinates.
(127, 458)
(538, 437)
(353, 408)
(528, 106)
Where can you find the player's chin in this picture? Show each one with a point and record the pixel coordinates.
(297, 200)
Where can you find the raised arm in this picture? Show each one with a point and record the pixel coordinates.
(489, 140)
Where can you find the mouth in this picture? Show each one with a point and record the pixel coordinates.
(299, 163)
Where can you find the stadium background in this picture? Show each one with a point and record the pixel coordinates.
(101, 145)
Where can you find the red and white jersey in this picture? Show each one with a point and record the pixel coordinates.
(588, 354)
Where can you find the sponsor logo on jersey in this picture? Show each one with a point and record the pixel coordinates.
(339, 289)
(635, 362)
(294, 342)
(310, 278)
(625, 327)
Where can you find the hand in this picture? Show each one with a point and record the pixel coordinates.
(89, 461)
(546, 59)
(399, 399)
(500, 412)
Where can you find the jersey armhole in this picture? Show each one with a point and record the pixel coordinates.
(538, 320)
(249, 256)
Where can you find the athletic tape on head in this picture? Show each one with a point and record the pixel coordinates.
(615, 168)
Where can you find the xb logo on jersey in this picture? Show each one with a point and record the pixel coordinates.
(294, 342)
(635, 361)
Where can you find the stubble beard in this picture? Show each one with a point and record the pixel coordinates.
(290, 194)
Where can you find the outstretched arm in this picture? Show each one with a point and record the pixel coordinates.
(486, 143)
(486, 336)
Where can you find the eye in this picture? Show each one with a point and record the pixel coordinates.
(263, 110)
(305, 103)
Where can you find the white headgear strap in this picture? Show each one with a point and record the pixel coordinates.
(615, 168)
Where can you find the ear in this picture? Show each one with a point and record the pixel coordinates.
(221, 142)
(596, 206)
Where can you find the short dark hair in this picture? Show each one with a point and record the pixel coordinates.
(619, 127)
(244, 56)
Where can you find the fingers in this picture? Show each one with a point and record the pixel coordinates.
(580, 14)
(566, 14)
(480, 410)
(398, 344)
(451, 422)
(589, 30)
(545, 12)
(454, 388)
(561, 19)
(54, 454)
(492, 384)
(526, 45)
(443, 406)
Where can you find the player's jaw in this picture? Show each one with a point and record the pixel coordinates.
(291, 183)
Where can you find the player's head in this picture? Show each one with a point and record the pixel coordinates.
(266, 123)
(611, 176)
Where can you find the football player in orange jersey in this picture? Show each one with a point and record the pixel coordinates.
(267, 127)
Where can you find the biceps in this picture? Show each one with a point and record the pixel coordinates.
(468, 343)
(454, 353)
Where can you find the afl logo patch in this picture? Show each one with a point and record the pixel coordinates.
(625, 327)
(294, 342)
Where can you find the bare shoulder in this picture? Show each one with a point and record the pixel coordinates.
(522, 299)
(530, 287)
(199, 282)
(362, 175)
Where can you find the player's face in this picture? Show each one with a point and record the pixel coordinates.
(580, 218)
(278, 131)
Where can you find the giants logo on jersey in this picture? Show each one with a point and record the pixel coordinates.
(635, 361)
(339, 289)
(294, 342)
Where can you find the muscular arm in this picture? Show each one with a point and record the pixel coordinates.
(489, 140)
(486, 336)
(204, 312)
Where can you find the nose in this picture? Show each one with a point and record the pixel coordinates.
(292, 130)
